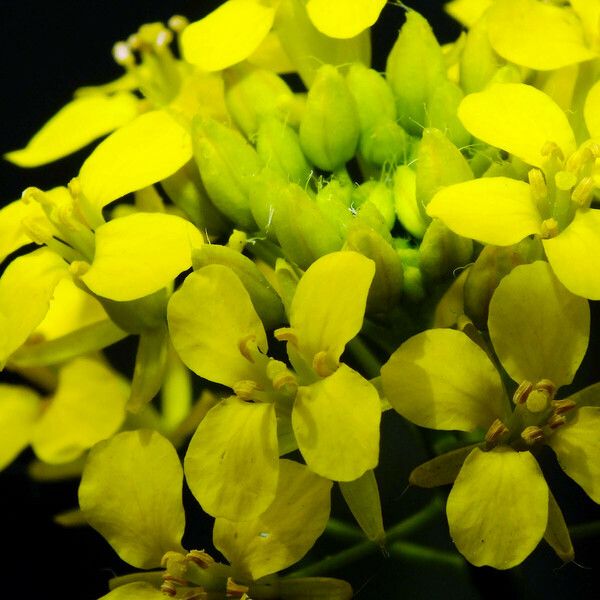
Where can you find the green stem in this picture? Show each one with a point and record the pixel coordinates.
(369, 363)
(344, 531)
(585, 530)
(354, 553)
(422, 554)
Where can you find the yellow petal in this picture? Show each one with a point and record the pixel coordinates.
(150, 148)
(467, 12)
(493, 210)
(443, 380)
(271, 55)
(12, 235)
(329, 305)
(554, 36)
(19, 409)
(130, 492)
(88, 406)
(232, 462)
(26, 289)
(538, 328)
(517, 118)
(588, 12)
(227, 35)
(282, 534)
(71, 309)
(591, 111)
(336, 423)
(139, 590)
(139, 254)
(577, 446)
(343, 18)
(498, 507)
(209, 340)
(77, 124)
(574, 254)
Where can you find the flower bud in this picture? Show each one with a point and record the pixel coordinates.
(330, 128)
(439, 163)
(385, 143)
(381, 196)
(337, 203)
(405, 202)
(442, 251)
(414, 67)
(227, 163)
(252, 93)
(265, 300)
(478, 62)
(278, 145)
(442, 112)
(386, 287)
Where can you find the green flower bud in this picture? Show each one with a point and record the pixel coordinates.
(278, 145)
(478, 62)
(336, 203)
(492, 264)
(186, 191)
(386, 287)
(385, 143)
(381, 196)
(227, 163)
(442, 112)
(265, 300)
(330, 128)
(414, 67)
(405, 202)
(442, 251)
(303, 232)
(266, 192)
(252, 93)
(373, 96)
(439, 163)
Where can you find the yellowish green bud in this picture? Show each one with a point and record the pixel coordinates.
(478, 62)
(266, 192)
(227, 163)
(386, 288)
(385, 143)
(278, 145)
(439, 163)
(373, 96)
(442, 251)
(442, 112)
(337, 203)
(252, 93)
(410, 216)
(265, 300)
(414, 67)
(381, 196)
(186, 190)
(330, 127)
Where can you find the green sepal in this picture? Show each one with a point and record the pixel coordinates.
(265, 300)
(478, 61)
(252, 93)
(329, 128)
(408, 212)
(441, 470)
(227, 163)
(187, 192)
(557, 533)
(386, 288)
(287, 278)
(442, 112)
(381, 196)
(150, 364)
(414, 67)
(92, 338)
(362, 498)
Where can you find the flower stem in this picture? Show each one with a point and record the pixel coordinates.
(585, 530)
(369, 363)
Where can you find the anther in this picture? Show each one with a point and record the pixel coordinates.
(583, 192)
(552, 149)
(556, 421)
(78, 268)
(122, 54)
(521, 393)
(246, 344)
(532, 435)
(549, 228)
(495, 432)
(245, 389)
(537, 184)
(323, 365)
(200, 558)
(560, 407)
(168, 588)
(280, 375)
(178, 23)
(286, 334)
(235, 590)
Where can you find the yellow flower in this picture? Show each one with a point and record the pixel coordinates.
(554, 205)
(500, 507)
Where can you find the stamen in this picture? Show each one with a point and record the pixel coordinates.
(281, 377)
(78, 268)
(537, 184)
(246, 345)
(323, 365)
(200, 558)
(286, 334)
(532, 435)
(583, 193)
(178, 23)
(496, 431)
(556, 421)
(168, 588)
(245, 389)
(551, 149)
(122, 55)
(235, 590)
(521, 393)
(560, 407)
(549, 228)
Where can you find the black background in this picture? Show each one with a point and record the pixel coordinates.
(47, 50)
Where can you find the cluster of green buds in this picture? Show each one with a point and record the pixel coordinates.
(296, 255)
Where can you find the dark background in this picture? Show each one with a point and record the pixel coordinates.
(47, 50)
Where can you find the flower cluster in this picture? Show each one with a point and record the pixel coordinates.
(293, 260)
